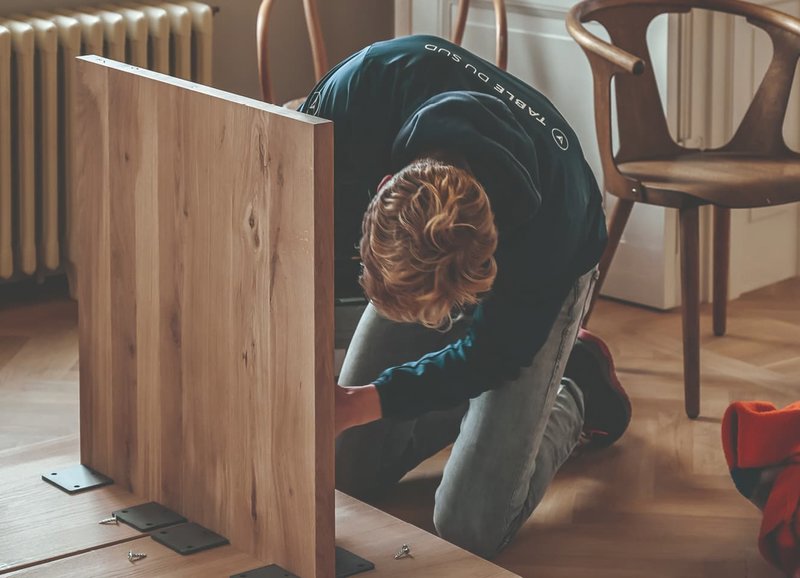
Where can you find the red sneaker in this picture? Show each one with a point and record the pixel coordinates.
(607, 406)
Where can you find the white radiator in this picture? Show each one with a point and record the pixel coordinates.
(38, 209)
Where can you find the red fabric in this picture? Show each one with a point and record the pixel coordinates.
(757, 435)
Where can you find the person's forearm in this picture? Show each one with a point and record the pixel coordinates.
(357, 406)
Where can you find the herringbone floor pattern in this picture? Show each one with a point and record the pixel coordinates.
(658, 504)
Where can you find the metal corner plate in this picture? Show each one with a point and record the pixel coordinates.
(76, 479)
(271, 571)
(149, 516)
(349, 564)
(188, 538)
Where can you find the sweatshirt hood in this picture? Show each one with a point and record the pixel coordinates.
(482, 129)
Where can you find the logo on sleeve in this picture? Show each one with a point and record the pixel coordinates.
(561, 139)
(511, 99)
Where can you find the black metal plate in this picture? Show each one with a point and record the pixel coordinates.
(271, 571)
(149, 516)
(349, 564)
(76, 479)
(188, 538)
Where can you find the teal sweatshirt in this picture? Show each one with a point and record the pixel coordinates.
(397, 100)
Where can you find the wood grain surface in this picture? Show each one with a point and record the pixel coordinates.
(361, 529)
(206, 307)
(660, 503)
(112, 562)
(377, 536)
(84, 548)
(39, 522)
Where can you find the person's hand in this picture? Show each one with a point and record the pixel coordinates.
(356, 406)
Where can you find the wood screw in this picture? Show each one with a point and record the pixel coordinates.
(134, 556)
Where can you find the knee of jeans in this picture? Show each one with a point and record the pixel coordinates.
(483, 535)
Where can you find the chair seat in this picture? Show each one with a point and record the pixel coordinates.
(725, 179)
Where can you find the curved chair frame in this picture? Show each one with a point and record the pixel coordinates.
(501, 27)
(644, 137)
(318, 51)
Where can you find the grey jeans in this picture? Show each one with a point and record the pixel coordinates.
(508, 442)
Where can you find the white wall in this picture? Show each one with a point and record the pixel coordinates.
(348, 25)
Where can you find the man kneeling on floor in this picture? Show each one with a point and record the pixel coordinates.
(478, 249)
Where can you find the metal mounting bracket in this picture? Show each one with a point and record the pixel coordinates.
(271, 571)
(76, 479)
(349, 564)
(188, 538)
(149, 516)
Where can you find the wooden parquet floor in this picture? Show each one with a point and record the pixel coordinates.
(658, 504)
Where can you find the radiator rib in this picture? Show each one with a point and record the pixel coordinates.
(92, 31)
(114, 29)
(6, 249)
(69, 46)
(181, 39)
(158, 37)
(135, 34)
(23, 183)
(202, 34)
(38, 206)
(46, 122)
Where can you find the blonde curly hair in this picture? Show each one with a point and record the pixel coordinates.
(427, 245)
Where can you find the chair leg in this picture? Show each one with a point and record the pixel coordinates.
(619, 218)
(722, 238)
(690, 283)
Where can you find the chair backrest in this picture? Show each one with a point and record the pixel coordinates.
(643, 131)
(501, 27)
(318, 52)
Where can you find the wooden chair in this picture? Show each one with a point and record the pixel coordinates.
(318, 52)
(320, 55)
(501, 28)
(754, 169)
